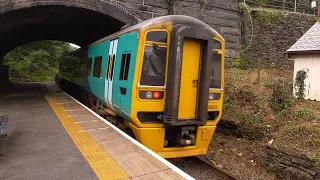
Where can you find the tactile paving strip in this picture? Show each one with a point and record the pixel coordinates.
(101, 163)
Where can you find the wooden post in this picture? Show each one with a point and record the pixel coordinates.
(259, 69)
(284, 4)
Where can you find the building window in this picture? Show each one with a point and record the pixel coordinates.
(97, 67)
(159, 36)
(89, 64)
(125, 65)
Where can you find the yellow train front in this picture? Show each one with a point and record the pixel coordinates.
(177, 95)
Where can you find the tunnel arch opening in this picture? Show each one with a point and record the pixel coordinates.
(76, 22)
(36, 61)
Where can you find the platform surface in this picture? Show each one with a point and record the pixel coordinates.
(38, 147)
(52, 136)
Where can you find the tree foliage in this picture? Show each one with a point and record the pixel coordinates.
(37, 61)
(303, 6)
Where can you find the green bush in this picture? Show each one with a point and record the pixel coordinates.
(300, 85)
(303, 113)
(281, 98)
(240, 63)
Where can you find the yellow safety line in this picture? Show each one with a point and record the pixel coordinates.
(101, 163)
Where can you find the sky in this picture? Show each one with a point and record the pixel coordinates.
(74, 45)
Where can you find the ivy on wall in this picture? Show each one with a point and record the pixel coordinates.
(267, 33)
(300, 84)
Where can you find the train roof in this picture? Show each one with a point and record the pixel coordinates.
(175, 19)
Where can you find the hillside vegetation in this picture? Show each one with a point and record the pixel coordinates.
(257, 114)
(303, 6)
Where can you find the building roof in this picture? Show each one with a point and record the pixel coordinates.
(309, 42)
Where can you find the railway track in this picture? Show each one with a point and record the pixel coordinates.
(200, 169)
(214, 169)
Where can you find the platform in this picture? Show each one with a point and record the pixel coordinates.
(53, 136)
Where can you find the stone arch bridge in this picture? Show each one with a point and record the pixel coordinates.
(84, 21)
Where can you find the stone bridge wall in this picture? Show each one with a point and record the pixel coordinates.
(219, 14)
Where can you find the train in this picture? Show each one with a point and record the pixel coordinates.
(161, 81)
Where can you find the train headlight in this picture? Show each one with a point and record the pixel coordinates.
(214, 96)
(211, 96)
(149, 95)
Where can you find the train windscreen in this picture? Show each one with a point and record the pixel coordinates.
(154, 60)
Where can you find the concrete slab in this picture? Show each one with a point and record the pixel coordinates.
(38, 147)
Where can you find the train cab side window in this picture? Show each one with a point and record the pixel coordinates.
(97, 67)
(125, 65)
(215, 76)
(89, 65)
(158, 36)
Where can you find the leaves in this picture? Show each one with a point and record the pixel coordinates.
(36, 61)
(281, 98)
(300, 85)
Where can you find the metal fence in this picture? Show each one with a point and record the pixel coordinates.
(300, 6)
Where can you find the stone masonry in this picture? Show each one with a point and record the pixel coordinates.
(217, 13)
(274, 32)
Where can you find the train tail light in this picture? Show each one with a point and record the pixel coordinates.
(156, 95)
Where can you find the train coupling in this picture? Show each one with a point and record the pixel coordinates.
(187, 136)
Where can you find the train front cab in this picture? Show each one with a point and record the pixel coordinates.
(179, 95)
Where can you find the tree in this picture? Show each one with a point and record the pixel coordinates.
(37, 61)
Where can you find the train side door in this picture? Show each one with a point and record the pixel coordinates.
(123, 81)
(121, 87)
(110, 72)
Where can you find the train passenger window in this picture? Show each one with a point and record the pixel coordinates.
(125, 65)
(154, 66)
(97, 67)
(89, 61)
(159, 36)
(215, 76)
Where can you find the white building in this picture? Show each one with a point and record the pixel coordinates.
(306, 55)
